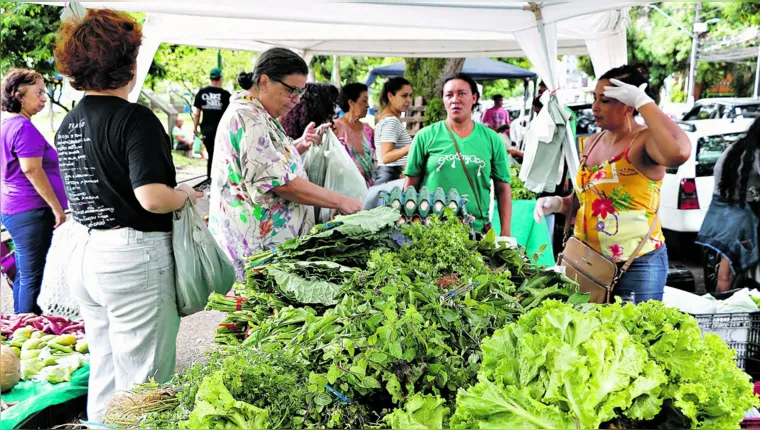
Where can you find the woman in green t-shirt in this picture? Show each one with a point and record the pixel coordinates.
(435, 162)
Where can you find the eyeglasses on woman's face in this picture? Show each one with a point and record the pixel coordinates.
(293, 92)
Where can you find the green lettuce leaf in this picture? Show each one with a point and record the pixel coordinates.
(419, 413)
(216, 408)
(487, 405)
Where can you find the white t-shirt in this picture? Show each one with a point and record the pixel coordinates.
(391, 129)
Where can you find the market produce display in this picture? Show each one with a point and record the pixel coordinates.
(612, 366)
(423, 327)
(407, 320)
(50, 348)
(10, 368)
(48, 324)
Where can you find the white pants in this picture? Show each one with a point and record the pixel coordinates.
(124, 282)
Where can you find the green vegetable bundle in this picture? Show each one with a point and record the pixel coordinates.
(519, 192)
(629, 366)
(237, 387)
(347, 240)
(412, 321)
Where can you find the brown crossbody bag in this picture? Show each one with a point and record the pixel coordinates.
(594, 273)
(487, 225)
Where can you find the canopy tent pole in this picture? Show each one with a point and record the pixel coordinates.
(152, 36)
(571, 152)
(757, 73)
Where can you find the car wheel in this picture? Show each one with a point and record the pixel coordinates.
(710, 265)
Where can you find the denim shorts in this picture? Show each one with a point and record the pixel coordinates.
(645, 279)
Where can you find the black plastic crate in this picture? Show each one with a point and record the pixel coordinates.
(741, 331)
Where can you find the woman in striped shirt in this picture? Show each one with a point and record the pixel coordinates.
(392, 141)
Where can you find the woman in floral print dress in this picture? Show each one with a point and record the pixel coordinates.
(619, 182)
(260, 194)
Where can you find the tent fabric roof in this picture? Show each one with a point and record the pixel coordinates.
(374, 28)
(478, 68)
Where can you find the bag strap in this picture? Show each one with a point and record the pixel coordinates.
(466, 172)
(573, 197)
(569, 218)
(643, 242)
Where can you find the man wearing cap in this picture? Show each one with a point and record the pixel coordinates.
(211, 101)
(497, 116)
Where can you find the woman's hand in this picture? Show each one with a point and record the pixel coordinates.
(631, 95)
(311, 136)
(190, 192)
(60, 217)
(350, 206)
(547, 206)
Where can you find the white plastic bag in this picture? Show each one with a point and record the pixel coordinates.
(740, 301)
(55, 296)
(201, 266)
(689, 303)
(341, 175)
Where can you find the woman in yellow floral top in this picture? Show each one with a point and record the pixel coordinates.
(260, 194)
(619, 182)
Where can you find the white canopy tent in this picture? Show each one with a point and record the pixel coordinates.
(413, 28)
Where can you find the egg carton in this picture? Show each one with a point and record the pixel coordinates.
(419, 206)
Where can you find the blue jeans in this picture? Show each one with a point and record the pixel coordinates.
(385, 174)
(645, 279)
(32, 232)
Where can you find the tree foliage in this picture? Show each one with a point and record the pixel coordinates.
(426, 76)
(506, 87)
(27, 40)
(188, 67)
(665, 49)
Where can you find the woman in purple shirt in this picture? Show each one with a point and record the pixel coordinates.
(32, 196)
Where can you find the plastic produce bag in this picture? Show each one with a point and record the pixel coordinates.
(341, 175)
(197, 145)
(55, 294)
(740, 301)
(687, 302)
(201, 266)
(316, 164)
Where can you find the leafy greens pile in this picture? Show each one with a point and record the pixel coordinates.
(312, 269)
(643, 366)
(434, 323)
(519, 192)
(410, 323)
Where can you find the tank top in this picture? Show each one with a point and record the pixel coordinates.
(618, 207)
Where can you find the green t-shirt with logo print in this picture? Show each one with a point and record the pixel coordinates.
(434, 157)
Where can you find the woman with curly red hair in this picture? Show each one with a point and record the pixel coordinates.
(120, 179)
(33, 200)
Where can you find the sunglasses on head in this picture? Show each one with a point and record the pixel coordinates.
(292, 91)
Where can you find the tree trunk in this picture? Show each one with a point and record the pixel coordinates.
(452, 66)
(57, 102)
(426, 76)
(336, 71)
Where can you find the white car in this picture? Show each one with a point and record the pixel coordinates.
(687, 190)
(723, 108)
